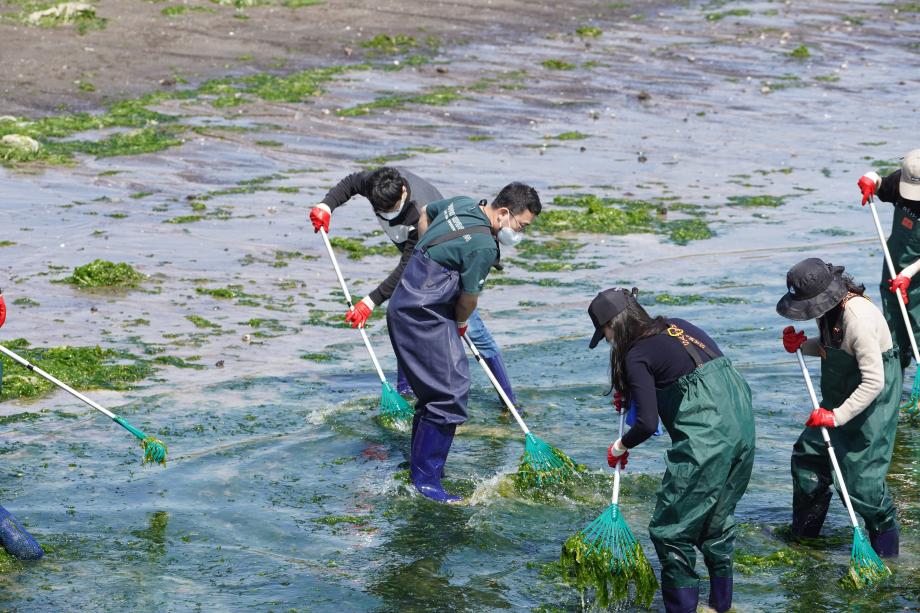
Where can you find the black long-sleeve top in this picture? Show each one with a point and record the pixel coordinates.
(890, 192)
(655, 363)
(402, 231)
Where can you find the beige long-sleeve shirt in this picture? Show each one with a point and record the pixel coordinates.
(865, 337)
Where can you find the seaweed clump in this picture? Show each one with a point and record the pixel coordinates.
(102, 273)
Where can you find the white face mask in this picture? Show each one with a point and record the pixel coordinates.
(508, 237)
(391, 214)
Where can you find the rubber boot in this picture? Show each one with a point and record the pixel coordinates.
(807, 520)
(16, 540)
(720, 593)
(680, 599)
(886, 544)
(402, 384)
(497, 366)
(430, 447)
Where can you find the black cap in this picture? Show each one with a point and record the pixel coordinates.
(607, 305)
(814, 288)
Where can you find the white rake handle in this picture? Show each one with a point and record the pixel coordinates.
(57, 382)
(495, 384)
(338, 272)
(891, 271)
(616, 471)
(827, 441)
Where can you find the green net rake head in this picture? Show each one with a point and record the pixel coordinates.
(912, 407)
(607, 556)
(154, 450)
(543, 464)
(866, 568)
(393, 405)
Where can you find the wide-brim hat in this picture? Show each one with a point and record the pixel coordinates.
(605, 306)
(813, 288)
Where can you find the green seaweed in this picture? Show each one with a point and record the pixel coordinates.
(731, 13)
(557, 65)
(597, 215)
(334, 520)
(800, 53)
(102, 273)
(682, 231)
(438, 96)
(390, 44)
(357, 250)
(574, 135)
(80, 367)
(588, 32)
(201, 322)
(7, 243)
(588, 566)
(757, 201)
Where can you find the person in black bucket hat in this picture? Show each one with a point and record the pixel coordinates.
(674, 371)
(861, 390)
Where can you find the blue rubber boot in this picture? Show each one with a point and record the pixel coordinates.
(886, 544)
(430, 447)
(680, 599)
(497, 366)
(402, 384)
(720, 593)
(16, 540)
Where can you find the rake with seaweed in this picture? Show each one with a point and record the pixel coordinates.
(912, 406)
(154, 449)
(394, 410)
(605, 555)
(866, 568)
(542, 464)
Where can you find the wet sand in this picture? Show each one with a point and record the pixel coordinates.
(141, 50)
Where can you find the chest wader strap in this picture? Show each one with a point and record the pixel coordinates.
(692, 345)
(466, 232)
(457, 234)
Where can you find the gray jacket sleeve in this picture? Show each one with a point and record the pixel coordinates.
(355, 184)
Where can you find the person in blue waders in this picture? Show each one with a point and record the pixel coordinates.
(396, 195)
(860, 391)
(674, 371)
(430, 309)
(15, 539)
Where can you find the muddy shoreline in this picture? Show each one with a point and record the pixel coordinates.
(139, 49)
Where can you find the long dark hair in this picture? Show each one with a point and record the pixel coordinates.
(630, 325)
(830, 324)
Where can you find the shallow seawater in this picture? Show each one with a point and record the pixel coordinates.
(281, 491)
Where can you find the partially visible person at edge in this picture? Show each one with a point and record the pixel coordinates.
(860, 389)
(396, 195)
(673, 370)
(902, 189)
(430, 309)
(15, 539)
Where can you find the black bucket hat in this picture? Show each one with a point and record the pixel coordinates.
(607, 305)
(814, 288)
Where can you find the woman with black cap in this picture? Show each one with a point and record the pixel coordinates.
(673, 370)
(860, 388)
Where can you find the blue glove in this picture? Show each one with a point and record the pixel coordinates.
(631, 418)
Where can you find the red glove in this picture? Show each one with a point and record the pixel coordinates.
(357, 316)
(900, 283)
(793, 340)
(320, 218)
(462, 327)
(2, 310)
(868, 183)
(618, 401)
(821, 417)
(615, 457)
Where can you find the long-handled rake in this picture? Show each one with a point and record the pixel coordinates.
(605, 555)
(154, 448)
(866, 568)
(541, 464)
(912, 406)
(393, 407)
